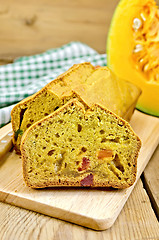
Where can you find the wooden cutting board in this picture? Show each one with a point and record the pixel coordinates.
(93, 208)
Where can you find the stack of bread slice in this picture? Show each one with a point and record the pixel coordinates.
(73, 133)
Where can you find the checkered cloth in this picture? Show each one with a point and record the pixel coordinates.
(29, 74)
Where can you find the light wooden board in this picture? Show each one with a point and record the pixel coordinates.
(97, 209)
(151, 180)
(29, 27)
(34, 26)
(137, 221)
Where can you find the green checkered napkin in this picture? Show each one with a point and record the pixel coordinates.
(29, 74)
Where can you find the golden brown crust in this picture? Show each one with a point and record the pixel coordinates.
(75, 183)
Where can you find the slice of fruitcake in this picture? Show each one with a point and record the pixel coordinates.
(47, 100)
(82, 81)
(75, 146)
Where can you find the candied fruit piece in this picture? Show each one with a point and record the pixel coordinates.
(87, 181)
(85, 164)
(105, 153)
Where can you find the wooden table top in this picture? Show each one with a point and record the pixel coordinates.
(137, 220)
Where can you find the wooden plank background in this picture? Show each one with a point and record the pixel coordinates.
(151, 181)
(29, 27)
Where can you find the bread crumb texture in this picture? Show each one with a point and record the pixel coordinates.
(81, 81)
(75, 146)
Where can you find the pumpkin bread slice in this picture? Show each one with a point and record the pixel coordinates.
(104, 88)
(75, 146)
(82, 81)
(47, 100)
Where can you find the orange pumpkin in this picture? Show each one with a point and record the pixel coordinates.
(133, 49)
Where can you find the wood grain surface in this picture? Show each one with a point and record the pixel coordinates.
(93, 208)
(6, 144)
(136, 221)
(151, 180)
(29, 27)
